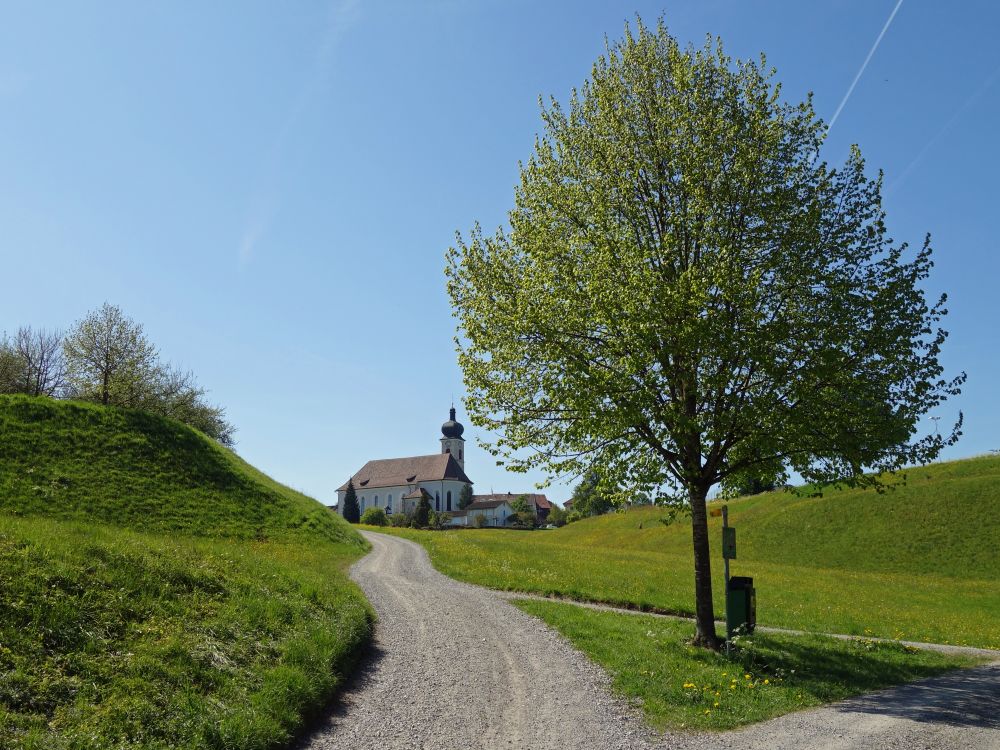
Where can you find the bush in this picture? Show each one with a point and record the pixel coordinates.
(374, 517)
(400, 520)
(480, 522)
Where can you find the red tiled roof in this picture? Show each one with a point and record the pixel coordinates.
(399, 472)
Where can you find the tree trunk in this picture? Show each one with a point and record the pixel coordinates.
(704, 609)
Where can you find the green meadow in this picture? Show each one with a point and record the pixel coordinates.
(158, 592)
(919, 562)
(683, 687)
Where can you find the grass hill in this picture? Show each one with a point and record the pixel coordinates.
(83, 461)
(919, 562)
(945, 520)
(158, 592)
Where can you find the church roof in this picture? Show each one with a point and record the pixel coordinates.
(399, 472)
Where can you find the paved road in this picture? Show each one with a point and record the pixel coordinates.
(456, 666)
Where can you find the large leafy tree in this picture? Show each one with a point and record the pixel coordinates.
(109, 357)
(687, 293)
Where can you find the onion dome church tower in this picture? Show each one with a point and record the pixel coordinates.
(451, 438)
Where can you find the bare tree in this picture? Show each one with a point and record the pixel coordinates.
(43, 364)
(109, 358)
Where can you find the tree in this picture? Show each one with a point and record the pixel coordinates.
(686, 293)
(174, 393)
(109, 358)
(422, 515)
(11, 367)
(34, 363)
(465, 497)
(557, 516)
(522, 513)
(588, 498)
(352, 513)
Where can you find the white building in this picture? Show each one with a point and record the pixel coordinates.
(395, 484)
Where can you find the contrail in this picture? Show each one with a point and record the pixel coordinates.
(864, 65)
(976, 95)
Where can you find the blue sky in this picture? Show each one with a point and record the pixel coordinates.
(270, 187)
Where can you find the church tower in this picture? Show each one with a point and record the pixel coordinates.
(451, 438)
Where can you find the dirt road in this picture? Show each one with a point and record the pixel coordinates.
(457, 666)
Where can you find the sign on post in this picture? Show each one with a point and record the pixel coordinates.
(729, 542)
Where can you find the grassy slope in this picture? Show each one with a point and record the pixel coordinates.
(83, 461)
(918, 563)
(156, 591)
(683, 687)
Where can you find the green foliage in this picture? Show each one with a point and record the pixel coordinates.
(226, 623)
(680, 687)
(109, 357)
(465, 497)
(917, 562)
(374, 517)
(588, 497)
(699, 296)
(557, 516)
(352, 513)
(519, 505)
(480, 521)
(674, 231)
(422, 514)
(400, 520)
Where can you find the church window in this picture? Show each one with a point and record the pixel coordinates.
(362, 503)
(447, 450)
(449, 501)
(376, 501)
(388, 504)
(437, 501)
(459, 454)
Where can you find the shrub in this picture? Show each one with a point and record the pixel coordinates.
(400, 520)
(374, 517)
(480, 521)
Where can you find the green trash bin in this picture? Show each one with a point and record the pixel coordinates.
(741, 606)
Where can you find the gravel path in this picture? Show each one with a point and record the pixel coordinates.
(457, 666)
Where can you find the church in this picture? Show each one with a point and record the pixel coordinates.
(396, 484)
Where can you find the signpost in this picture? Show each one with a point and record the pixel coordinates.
(740, 601)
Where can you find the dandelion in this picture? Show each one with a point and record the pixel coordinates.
(707, 712)
(767, 682)
(746, 677)
(716, 704)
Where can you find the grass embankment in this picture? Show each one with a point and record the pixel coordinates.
(917, 563)
(158, 592)
(682, 687)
